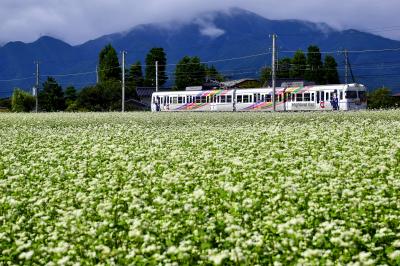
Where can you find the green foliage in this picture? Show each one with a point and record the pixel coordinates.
(105, 96)
(213, 74)
(21, 101)
(330, 70)
(265, 76)
(315, 70)
(109, 68)
(135, 77)
(189, 72)
(299, 63)
(70, 97)
(51, 97)
(283, 68)
(155, 54)
(381, 99)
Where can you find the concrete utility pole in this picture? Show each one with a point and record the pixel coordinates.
(346, 58)
(123, 81)
(274, 70)
(37, 87)
(156, 76)
(97, 74)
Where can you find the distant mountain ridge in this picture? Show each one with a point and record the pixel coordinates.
(212, 36)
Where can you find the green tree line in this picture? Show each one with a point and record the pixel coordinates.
(308, 67)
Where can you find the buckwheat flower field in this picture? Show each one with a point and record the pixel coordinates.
(200, 188)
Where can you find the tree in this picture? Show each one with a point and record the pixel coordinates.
(51, 97)
(330, 70)
(109, 68)
(103, 97)
(381, 99)
(21, 101)
(299, 62)
(265, 76)
(284, 67)
(70, 97)
(135, 77)
(189, 72)
(213, 74)
(314, 70)
(155, 54)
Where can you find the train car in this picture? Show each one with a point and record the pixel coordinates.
(303, 98)
(210, 100)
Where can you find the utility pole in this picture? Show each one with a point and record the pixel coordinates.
(156, 76)
(123, 81)
(274, 70)
(37, 86)
(346, 58)
(97, 74)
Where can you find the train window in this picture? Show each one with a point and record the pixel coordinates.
(229, 98)
(175, 100)
(327, 96)
(341, 95)
(203, 99)
(322, 96)
(198, 99)
(299, 97)
(268, 98)
(180, 99)
(307, 97)
(351, 94)
(246, 98)
(223, 99)
(313, 97)
(239, 98)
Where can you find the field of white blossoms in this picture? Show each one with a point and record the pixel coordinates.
(185, 189)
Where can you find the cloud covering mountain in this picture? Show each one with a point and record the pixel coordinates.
(77, 21)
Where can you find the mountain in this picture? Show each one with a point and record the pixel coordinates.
(217, 35)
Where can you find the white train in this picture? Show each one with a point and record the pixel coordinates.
(304, 98)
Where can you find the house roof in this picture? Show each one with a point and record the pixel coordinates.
(232, 83)
(148, 91)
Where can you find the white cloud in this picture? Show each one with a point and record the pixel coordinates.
(207, 27)
(77, 21)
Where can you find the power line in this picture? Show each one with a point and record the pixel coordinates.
(16, 79)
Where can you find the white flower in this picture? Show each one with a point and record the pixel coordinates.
(218, 258)
(394, 255)
(26, 255)
(198, 194)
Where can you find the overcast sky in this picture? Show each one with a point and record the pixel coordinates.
(76, 21)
